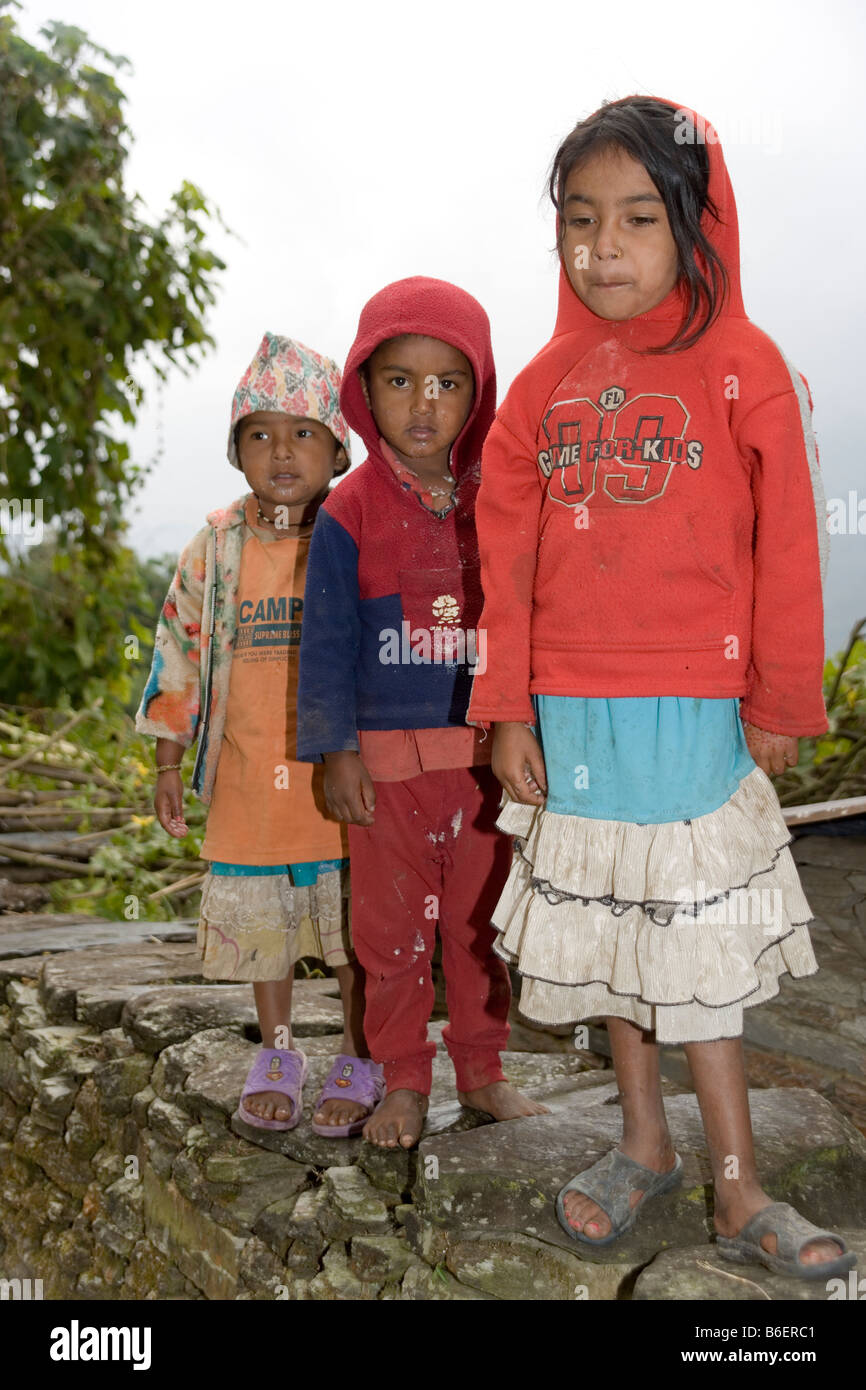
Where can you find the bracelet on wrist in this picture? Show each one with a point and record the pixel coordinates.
(168, 767)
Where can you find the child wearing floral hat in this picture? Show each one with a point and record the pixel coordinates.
(224, 674)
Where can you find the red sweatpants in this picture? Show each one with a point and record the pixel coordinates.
(434, 852)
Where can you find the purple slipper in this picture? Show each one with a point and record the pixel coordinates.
(275, 1070)
(351, 1078)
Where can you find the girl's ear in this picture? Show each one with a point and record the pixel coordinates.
(362, 377)
(341, 462)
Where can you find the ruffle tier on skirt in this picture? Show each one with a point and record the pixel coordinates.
(676, 926)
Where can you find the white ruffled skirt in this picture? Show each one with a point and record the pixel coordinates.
(677, 926)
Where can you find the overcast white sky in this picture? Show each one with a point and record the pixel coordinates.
(348, 144)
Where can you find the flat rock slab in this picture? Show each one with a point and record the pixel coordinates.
(158, 1018)
(526, 1038)
(537, 1074)
(17, 923)
(775, 1030)
(205, 1075)
(315, 1012)
(518, 1268)
(30, 936)
(20, 968)
(696, 1274)
(832, 985)
(20, 897)
(506, 1177)
(846, 854)
(94, 983)
(541, 1075)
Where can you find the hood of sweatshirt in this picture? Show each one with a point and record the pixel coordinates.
(435, 309)
(654, 326)
(291, 378)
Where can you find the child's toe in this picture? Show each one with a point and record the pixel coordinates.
(818, 1252)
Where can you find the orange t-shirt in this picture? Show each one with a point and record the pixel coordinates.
(266, 808)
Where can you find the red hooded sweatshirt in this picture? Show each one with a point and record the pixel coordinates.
(651, 524)
(379, 561)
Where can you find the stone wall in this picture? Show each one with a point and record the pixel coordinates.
(124, 1174)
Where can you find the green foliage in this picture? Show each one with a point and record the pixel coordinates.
(90, 623)
(135, 860)
(89, 284)
(833, 766)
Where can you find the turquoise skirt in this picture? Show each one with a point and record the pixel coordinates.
(647, 760)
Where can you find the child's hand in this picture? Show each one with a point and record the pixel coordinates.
(773, 753)
(518, 763)
(168, 803)
(349, 789)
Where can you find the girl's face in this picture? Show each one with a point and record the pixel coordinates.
(287, 460)
(618, 250)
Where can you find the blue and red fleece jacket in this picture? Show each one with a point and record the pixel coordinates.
(378, 559)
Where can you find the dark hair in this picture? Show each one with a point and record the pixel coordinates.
(646, 130)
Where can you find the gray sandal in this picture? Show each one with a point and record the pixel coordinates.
(610, 1183)
(792, 1232)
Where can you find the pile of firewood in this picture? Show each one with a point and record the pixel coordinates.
(52, 832)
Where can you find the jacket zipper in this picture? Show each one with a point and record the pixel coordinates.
(203, 733)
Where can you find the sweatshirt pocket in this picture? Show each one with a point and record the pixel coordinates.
(448, 598)
(631, 581)
(445, 602)
(712, 568)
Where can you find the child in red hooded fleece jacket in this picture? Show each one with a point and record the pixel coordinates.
(651, 529)
(392, 601)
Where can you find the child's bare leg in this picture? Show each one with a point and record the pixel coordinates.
(350, 978)
(274, 1007)
(645, 1135)
(719, 1075)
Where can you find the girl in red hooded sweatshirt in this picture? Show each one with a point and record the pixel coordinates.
(650, 528)
(389, 645)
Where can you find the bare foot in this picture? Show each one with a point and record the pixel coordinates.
(269, 1105)
(501, 1100)
(398, 1120)
(731, 1222)
(587, 1217)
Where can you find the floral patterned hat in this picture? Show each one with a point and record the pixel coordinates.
(286, 375)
